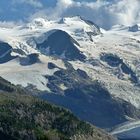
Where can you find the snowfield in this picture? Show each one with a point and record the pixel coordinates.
(27, 75)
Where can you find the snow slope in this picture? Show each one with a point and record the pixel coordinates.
(27, 75)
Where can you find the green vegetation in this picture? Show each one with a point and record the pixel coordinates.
(23, 117)
(22, 113)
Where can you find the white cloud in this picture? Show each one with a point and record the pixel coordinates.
(54, 12)
(10, 24)
(34, 3)
(126, 11)
(103, 13)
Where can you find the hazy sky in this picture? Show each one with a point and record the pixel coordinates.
(105, 13)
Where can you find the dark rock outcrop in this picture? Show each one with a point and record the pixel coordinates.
(5, 52)
(62, 45)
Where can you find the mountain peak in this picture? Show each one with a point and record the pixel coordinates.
(79, 23)
(134, 28)
(72, 18)
(38, 23)
(61, 44)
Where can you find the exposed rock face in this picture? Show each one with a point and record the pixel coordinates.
(61, 44)
(120, 68)
(5, 52)
(30, 59)
(134, 28)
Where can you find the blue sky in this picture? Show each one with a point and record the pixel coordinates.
(14, 10)
(105, 13)
(11, 10)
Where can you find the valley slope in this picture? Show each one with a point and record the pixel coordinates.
(25, 117)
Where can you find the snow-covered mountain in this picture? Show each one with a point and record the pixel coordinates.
(74, 63)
